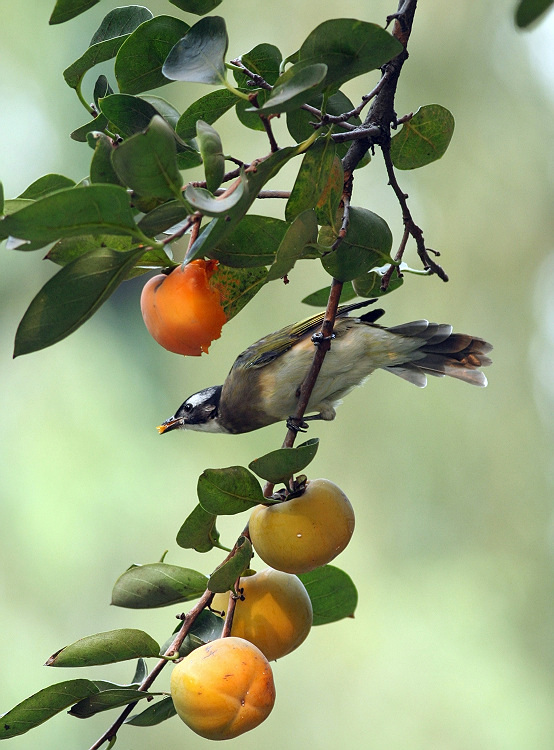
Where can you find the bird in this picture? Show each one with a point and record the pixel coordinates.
(264, 382)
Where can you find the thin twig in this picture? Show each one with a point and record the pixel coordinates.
(409, 223)
(188, 621)
(176, 644)
(385, 281)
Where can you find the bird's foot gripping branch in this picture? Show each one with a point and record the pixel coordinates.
(128, 216)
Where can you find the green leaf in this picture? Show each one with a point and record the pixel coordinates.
(154, 714)
(223, 578)
(237, 286)
(367, 244)
(253, 242)
(211, 150)
(199, 57)
(128, 114)
(528, 11)
(423, 139)
(300, 233)
(64, 10)
(299, 121)
(208, 108)
(66, 250)
(312, 179)
(331, 194)
(349, 48)
(99, 124)
(70, 248)
(101, 167)
(369, 284)
(218, 229)
(105, 648)
(41, 706)
(147, 162)
(71, 297)
(139, 62)
(107, 40)
(207, 627)
(202, 200)
(15, 204)
(228, 491)
(321, 297)
(101, 89)
(45, 185)
(132, 114)
(163, 217)
(141, 672)
(94, 209)
(332, 593)
(198, 531)
(294, 88)
(198, 7)
(263, 60)
(280, 465)
(106, 700)
(157, 585)
(163, 108)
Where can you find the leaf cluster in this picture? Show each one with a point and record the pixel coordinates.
(125, 217)
(220, 492)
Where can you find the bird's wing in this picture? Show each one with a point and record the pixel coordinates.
(274, 344)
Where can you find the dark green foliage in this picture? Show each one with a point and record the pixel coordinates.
(281, 465)
(123, 219)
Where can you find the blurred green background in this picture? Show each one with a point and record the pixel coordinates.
(452, 645)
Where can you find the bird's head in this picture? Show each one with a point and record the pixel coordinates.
(199, 412)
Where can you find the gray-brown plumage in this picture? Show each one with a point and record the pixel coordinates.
(263, 383)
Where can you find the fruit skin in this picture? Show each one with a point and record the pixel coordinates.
(223, 689)
(306, 532)
(182, 311)
(276, 613)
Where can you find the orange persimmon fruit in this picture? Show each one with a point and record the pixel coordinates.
(182, 310)
(223, 688)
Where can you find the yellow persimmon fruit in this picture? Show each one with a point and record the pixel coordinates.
(274, 612)
(223, 689)
(306, 532)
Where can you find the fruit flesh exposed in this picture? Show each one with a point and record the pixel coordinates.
(182, 311)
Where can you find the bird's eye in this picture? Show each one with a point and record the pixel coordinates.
(188, 407)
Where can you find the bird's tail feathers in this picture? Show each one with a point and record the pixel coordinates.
(456, 355)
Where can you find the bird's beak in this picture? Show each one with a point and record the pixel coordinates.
(170, 424)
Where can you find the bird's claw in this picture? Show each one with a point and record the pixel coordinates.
(297, 425)
(318, 338)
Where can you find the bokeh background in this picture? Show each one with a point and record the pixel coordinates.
(452, 645)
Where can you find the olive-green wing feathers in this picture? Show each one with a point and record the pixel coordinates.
(274, 344)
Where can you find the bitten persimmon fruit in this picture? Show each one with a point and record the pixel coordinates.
(274, 612)
(223, 689)
(305, 532)
(182, 310)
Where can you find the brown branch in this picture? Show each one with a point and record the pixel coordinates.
(321, 350)
(188, 621)
(409, 223)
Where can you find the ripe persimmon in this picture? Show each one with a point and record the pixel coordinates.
(305, 532)
(183, 310)
(274, 612)
(223, 689)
